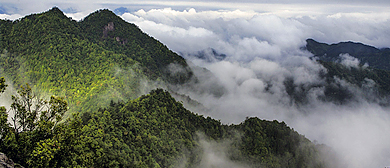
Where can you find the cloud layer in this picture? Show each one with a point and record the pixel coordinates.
(263, 52)
(262, 44)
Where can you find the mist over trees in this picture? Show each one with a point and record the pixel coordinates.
(151, 131)
(98, 68)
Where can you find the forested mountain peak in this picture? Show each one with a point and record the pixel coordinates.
(117, 35)
(57, 11)
(103, 13)
(82, 61)
(53, 12)
(100, 22)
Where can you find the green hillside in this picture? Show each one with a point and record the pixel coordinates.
(98, 68)
(153, 130)
(83, 62)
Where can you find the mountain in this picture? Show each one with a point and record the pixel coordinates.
(88, 62)
(99, 65)
(341, 80)
(374, 57)
(345, 81)
(131, 39)
(155, 130)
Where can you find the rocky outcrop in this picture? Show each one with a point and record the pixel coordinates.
(6, 162)
(110, 27)
(107, 28)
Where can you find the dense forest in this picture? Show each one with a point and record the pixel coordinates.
(153, 130)
(88, 62)
(98, 70)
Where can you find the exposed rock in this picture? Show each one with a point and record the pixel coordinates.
(5, 162)
(107, 28)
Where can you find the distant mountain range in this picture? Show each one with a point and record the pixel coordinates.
(374, 57)
(378, 61)
(376, 75)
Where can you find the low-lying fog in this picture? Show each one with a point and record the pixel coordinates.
(262, 51)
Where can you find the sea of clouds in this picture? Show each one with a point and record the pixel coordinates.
(262, 51)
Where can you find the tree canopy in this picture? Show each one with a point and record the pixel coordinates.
(153, 130)
(82, 61)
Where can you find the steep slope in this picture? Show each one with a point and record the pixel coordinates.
(156, 131)
(153, 130)
(104, 26)
(83, 62)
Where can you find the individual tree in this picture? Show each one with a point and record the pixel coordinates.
(3, 112)
(33, 122)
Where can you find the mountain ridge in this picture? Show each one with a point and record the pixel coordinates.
(374, 57)
(61, 56)
(99, 65)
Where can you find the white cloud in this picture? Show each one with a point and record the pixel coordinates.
(263, 50)
(350, 61)
(370, 28)
(216, 154)
(10, 17)
(262, 43)
(358, 134)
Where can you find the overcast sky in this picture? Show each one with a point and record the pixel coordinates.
(24, 7)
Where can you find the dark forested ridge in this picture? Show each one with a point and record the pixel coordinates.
(151, 131)
(372, 81)
(81, 61)
(374, 57)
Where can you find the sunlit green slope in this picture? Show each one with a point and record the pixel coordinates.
(84, 61)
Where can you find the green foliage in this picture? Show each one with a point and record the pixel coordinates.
(2, 85)
(32, 126)
(33, 114)
(60, 56)
(4, 126)
(155, 130)
(274, 144)
(126, 38)
(103, 58)
(151, 131)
